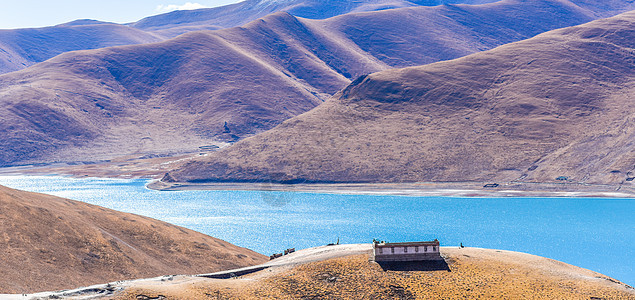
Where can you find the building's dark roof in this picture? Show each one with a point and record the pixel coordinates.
(431, 243)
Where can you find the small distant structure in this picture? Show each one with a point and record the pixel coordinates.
(630, 178)
(410, 251)
(562, 178)
(337, 243)
(491, 185)
(277, 255)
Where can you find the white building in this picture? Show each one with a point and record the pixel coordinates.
(412, 251)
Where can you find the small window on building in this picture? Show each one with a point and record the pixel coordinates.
(405, 249)
(417, 249)
(425, 248)
(392, 249)
(381, 250)
(434, 248)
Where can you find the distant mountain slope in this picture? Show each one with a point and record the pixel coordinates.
(20, 48)
(50, 243)
(605, 8)
(559, 104)
(208, 86)
(178, 22)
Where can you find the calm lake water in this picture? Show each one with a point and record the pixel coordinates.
(593, 233)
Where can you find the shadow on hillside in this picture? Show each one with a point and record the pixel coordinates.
(426, 265)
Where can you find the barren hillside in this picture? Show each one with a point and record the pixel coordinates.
(50, 243)
(178, 22)
(21, 48)
(557, 106)
(174, 23)
(218, 86)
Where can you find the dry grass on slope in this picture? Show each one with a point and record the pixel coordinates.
(202, 87)
(49, 243)
(559, 104)
(474, 274)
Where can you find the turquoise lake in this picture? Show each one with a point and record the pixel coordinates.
(593, 233)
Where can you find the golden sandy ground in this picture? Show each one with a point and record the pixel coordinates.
(474, 274)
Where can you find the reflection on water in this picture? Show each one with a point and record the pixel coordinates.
(275, 198)
(598, 234)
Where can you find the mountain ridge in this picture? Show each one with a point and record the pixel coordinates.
(238, 14)
(21, 48)
(207, 87)
(15, 45)
(554, 106)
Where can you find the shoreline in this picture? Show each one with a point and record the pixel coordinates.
(145, 169)
(422, 189)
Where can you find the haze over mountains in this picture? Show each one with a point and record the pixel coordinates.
(223, 85)
(559, 104)
(50, 243)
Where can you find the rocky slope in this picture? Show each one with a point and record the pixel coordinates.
(557, 106)
(206, 87)
(50, 243)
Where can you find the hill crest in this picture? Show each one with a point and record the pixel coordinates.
(51, 243)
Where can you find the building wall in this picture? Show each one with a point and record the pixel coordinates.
(405, 257)
(401, 254)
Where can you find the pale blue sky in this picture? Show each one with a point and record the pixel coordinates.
(40, 13)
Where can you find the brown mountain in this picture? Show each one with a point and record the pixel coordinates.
(20, 48)
(178, 22)
(50, 243)
(559, 104)
(211, 86)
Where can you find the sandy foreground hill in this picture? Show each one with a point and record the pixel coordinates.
(50, 243)
(555, 108)
(344, 272)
